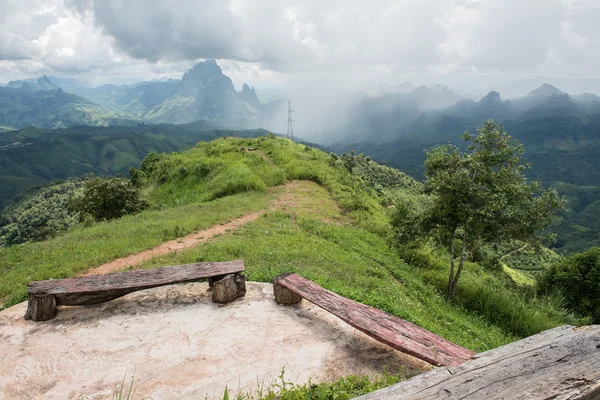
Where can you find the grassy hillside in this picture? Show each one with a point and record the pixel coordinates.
(33, 156)
(329, 223)
(54, 108)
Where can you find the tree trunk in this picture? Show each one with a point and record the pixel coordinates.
(451, 278)
(460, 265)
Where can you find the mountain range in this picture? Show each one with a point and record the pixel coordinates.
(203, 93)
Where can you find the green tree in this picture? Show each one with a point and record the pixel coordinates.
(108, 198)
(578, 279)
(482, 196)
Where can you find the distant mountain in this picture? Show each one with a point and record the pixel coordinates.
(34, 156)
(50, 108)
(389, 116)
(203, 92)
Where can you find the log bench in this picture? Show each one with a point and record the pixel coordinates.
(225, 278)
(561, 363)
(381, 326)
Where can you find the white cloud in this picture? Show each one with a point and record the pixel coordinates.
(272, 39)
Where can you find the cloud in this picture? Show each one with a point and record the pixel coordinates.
(14, 47)
(267, 39)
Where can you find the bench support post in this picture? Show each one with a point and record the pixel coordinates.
(228, 288)
(41, 307)
(284, 295)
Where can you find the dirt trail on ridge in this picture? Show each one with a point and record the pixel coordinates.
(193, 239)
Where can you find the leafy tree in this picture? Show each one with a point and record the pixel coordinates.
(482, 196)
(578, 279)
(108, 198)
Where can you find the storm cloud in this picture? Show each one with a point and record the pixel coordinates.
(268, 39)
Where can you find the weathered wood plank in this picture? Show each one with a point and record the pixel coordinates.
(101, 288)
(562, 363)
(393, 331)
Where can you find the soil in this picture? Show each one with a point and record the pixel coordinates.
(178, 344)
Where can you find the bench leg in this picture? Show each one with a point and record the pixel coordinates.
(41, 307)
(228, 288)
(213, 279)
(284, 295)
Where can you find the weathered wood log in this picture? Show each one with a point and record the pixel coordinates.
(96, 289)
(41, 307)
(213, 279)
(391, 330)
(562, 363)
(229, 288)
(284, 295)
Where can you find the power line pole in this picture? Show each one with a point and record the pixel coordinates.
(290, 122)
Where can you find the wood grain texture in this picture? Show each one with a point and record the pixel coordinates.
(41, 307)
(562, 363)
(229, 288)
(96, 289)
(393, 331)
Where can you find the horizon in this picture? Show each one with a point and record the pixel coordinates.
(470, 46)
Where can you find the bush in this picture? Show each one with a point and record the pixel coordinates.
(41, 214)
(578, 279)
(108, 198)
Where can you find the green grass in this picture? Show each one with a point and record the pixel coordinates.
(494, 295)
(348, 260)
(85, 247)
(342, 389)
(517, 277)
(332, 228)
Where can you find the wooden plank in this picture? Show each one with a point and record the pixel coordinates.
(562, 363)
(101, 288)
(393, 331)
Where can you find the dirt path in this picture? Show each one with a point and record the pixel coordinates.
(194, 239)
(172, 246)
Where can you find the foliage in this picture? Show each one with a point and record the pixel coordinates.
(108, 198)
(343, 389)
(83, 247)
(335, 234)
(483, 196)
(34, 156)
(42, 214)
(577, 277)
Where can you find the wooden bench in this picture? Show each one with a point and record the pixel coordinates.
(562, 363)
(224, 277)
(381, 326)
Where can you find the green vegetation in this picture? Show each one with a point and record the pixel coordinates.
(578, 279)
(481, 197)
(35, 156)
(107, 198)
(330, 223)
(51, 108)
(41, 214)
(84, 247)
(343, 389)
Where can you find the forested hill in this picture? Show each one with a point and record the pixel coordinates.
(34, 156)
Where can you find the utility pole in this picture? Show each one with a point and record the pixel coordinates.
(290, 122)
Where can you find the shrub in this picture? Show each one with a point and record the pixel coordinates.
(108, 198)
(578, 279)
(41, 214)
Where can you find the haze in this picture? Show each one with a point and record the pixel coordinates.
(471, 45)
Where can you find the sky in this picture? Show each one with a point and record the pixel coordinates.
(282, 43)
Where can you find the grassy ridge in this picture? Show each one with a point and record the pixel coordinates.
(333, 228)
(85, 247)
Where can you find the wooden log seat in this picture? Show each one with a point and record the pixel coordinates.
(381, 326)
(226, 281)
(561, 363)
